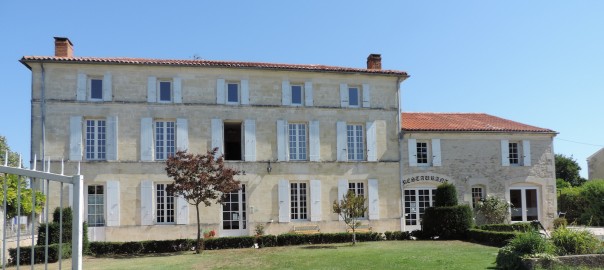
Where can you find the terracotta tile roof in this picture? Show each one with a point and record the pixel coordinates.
(464, 122)
(206, 63)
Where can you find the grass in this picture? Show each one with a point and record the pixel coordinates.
(365, 255)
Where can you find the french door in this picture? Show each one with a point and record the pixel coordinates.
(234, 216)
(525, 203)
(416, 202)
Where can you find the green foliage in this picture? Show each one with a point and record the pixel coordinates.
(446, 195)
(514, 227)
(575, 242)
(572, 203)
(351, 208)
(39, 254)
(568, 169)
(584, 204)
(397, 235)
(13, 181)
(450, 222)
(560, 223)
(143, 247)
(54, 230)
(527, 244)
(492, 210)
(491, 238)
(561, 183)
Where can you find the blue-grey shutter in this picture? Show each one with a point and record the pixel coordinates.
(75, 138)
(314, 141)
(182, 210)
(147, 202)
(371, 141)
(342, 190)
(286, 93)
(107, 87)
(250, 140)
(177, 89)
(220, 91)
(182, 134)
(113, 203)
(412, 145)
(505, 153)
(245, 92)
(308, 94)
(436, 155)
(315, 200)
(217, 136)
(282, 148)
(343, 95)
(366, 95)
(341, 141)
(152, 89)
(112, 138)
(526, 150)
(146, 139)
(373, 199)
(284, 201)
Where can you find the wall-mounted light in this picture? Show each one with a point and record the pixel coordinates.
(268, 167)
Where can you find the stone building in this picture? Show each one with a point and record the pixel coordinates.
(482, 155)
(302, 134)
(595, 165)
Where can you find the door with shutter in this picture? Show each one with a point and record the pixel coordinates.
(234, 214)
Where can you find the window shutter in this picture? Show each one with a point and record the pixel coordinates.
(75, 138)
(284, 201)
(146, 202)
(371, 141)
(505, 153)
(373, 199)
(177, 87)
(217, 136)
(182, 134)
(113, 203)
(220, 91)
(282, 140)
(526, 149)
(436, 156)
(146, 139)
(112, 133)
(286, 93)
(308, 94)
(315, 200)
(412, 144)
(342, 190)
(182, 210)
(245, 92)
(343, 95)
(366, 95)
(341, 141)
(250, 140)
(314, 141)
(152, 89)
(107, 87)
(81, 86)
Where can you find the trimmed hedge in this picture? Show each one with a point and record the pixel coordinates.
(39, 251)
(446, 195)
(491, 238)
(143, 247)
(397, 235)
(451, 222)
(515, 227)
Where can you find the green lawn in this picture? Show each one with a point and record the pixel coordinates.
(367, 255)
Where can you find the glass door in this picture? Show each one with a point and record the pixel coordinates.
(525, 204)
(234, 216)
(416, 202)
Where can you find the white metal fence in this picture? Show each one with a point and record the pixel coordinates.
(42, 179)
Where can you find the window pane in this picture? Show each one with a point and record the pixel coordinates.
(165, 91)
(297, 94)
(233, 92)
(516, 200)
(353, 96)
(96, 89)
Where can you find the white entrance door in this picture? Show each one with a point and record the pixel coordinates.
(416, 202)
(525, 203)
(234, 216)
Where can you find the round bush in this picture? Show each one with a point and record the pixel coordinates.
(446, 195)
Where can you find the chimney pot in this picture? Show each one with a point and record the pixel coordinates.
(63, 47)
(374, 61)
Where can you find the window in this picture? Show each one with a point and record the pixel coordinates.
(525, 204)
(232, 141)
(96, 206)
(514, 155)
(359, 189)
(165, 91)
(96, 139)
(234, 215)
(416, 202)
(297, 94)
(353, 96)
(355, 142)
(297, 141)
(165, 139)
(232, 93)
(422, 153)
(477, 195)
(95, 86)
(298, 201)
(164, 204)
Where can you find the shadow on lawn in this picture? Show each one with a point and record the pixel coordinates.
(327, 246)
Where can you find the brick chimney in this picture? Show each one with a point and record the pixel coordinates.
(63, 47)
(374, 61)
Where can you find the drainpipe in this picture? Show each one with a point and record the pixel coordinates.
(400, 147)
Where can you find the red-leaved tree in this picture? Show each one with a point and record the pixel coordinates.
(200, 179)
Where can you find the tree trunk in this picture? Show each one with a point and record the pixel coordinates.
(199, 245)
(354, 237)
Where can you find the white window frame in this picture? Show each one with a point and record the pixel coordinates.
(227, 94)
(523, 202)
(302, 96)
(89, 88)
(159, 82)
(428, 152)
(352, 142)
(517, 145)
(165, 147)
(93, 204)
(299, 203)
(98, 139)
(168, 200)
(359, 99)
(297, 146)
(478, 193)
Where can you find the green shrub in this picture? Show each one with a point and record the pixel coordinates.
(572, 203)
(54, 230)
(492, 210)
(491, 238)
(446, 195)
(524, 245)
(397, 235)
(39, 254)
(144, 247)
(560, 223)
(267, 241)
(593, 213)
(574, 242)
(450, 222)
(508, 259)
(229, 242)
(515, 227)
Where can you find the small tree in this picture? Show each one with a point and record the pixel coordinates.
(351, 208)
(492, 210)
(200, 179)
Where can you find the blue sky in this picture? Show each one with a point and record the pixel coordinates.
(535, 62)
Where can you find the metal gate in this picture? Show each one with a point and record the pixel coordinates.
(43, 179)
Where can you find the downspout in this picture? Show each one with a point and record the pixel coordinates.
(400, 147)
